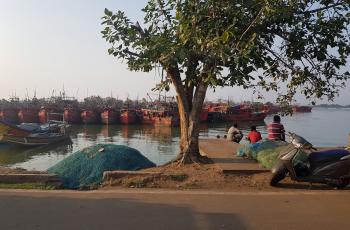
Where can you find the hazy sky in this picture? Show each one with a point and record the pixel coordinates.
(48, 44)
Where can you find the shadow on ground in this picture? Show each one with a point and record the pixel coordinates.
(17, 212)
(307, 186)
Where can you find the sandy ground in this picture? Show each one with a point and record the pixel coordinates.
(208, 177)
(158, 209)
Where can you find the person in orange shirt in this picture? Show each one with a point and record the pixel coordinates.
(254, 136)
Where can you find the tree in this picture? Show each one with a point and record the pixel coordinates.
(284, 46)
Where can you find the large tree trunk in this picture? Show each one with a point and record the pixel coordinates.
(190, 126)
(190, 107)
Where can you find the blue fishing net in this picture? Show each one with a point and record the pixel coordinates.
(252, 150)
(85, 168)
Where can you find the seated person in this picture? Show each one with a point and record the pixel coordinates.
(254, 136)
(276, 130)
(234, 134)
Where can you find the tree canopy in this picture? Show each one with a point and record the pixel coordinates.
(251, 43)
(285, 46)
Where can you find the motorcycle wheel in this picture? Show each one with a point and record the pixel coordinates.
(277, 177)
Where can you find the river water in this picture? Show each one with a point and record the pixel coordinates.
(322, 127)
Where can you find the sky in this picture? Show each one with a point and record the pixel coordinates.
(50, 45)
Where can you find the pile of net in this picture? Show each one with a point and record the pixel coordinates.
(266, 152)
(85, 168)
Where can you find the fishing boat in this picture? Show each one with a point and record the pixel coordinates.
(110, 116)
(217, 112)
(72, 115)
(128, 116)
(9, 115)
(89, 116)
(28, 115)
(160, 117)
(204, 115)
(302, 109)
(33, 134)
(243, 113)
(49, 113)
(271, 109)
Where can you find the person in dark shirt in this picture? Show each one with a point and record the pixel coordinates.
(254, 136)
(276, 130)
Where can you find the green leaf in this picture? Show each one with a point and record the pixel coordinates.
(225, 36)
(108, 13)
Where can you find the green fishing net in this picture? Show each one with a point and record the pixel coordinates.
(85, 168)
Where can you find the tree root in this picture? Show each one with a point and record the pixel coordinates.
(186, 159)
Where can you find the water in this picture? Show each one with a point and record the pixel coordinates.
(322, 127)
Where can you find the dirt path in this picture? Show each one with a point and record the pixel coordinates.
(158, 209)
(223, 154)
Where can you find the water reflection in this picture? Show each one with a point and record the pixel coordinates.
(12, 154)
(160, 144)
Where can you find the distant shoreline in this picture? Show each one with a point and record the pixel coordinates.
(334, 106)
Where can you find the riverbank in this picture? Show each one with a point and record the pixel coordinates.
(225, 172)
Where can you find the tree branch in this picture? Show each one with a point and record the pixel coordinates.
(339, 3)
(248, 28)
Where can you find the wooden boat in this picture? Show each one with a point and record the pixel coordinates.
(110, 116)
(89, 116)
(302, 109)
(72, 115)
(9, 115)
(19, 135)
(49, 113)
(28, 115)
(128, 116)
(160, 117)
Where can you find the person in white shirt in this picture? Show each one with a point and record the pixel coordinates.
(234, 134)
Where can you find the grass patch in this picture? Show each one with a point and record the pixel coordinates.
(137, 182)
(191, 185)
(178, 177)
(40, 186)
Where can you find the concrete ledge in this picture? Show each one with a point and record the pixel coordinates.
(30, 178)
(110, 175)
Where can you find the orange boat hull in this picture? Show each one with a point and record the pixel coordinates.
(28, 115)
(89, 117)
(9, 115)
(302, 109)
(128, 117)
(72, 116)
(109, 117)
(46, 114)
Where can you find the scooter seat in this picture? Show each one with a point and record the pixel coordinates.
(317, 158)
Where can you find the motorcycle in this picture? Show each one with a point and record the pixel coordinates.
(304, 163)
